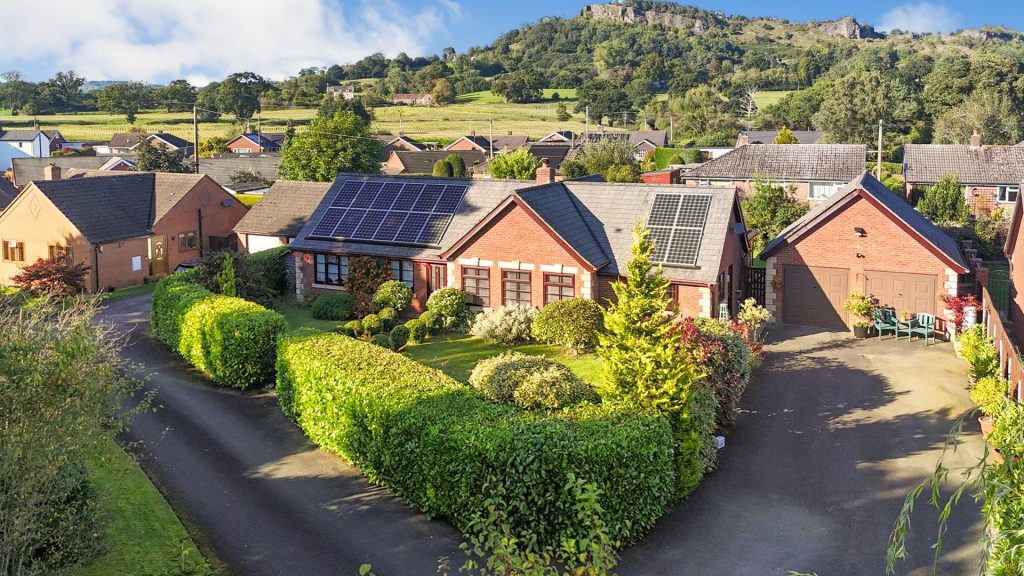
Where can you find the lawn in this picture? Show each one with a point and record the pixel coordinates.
(457, 354)
(302, 316)
(249, 200)
(769, 97)
(142, 534)
(126, 292)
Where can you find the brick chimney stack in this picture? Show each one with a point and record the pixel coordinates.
(545, 174)
(975, 140)
(51, 172)
(742, 140)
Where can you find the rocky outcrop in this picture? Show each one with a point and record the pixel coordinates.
(634, 15)
(848, 27)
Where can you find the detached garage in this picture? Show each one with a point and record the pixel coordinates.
(862, 239)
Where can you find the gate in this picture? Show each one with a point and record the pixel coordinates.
(755, 286)
(999, 288)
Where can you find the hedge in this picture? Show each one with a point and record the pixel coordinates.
(229, 339)
(449, 452)
(270, 264)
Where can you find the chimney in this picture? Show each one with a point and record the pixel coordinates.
(545, 174)
(472, 132)
(742, 139)
(975, 140)
(51, 172)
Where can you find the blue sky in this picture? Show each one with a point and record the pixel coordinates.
(203, 40)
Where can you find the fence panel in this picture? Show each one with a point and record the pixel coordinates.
(1010, 366)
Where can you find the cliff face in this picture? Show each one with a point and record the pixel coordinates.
(848, 27)
(633, 15)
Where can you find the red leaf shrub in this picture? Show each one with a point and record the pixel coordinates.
(724, 357)
(56, 277)
(956, 304)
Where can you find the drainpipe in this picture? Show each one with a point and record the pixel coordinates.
(199, 217)
(96, 268)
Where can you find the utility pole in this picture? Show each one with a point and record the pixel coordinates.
(878, 167)
(259, 131)
(490, 136)
(671, 129)
(401, 126)
(195, 135)
(586, 133)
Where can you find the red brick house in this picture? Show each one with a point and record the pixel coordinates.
(422, 162)
(863, 239)
(514, 242)
(280, 214)
(251, 143)
(475, 142)
(129, 227)
(1014, 250)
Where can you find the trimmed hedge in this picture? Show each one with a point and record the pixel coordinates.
(448, 451)
(229, 339)
(335, 306)
(270, 264)
(573, 323)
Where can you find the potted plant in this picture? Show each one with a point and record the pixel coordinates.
(863, 307)
(906, 315)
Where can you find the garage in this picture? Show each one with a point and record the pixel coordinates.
(814, 296)
(912, 292)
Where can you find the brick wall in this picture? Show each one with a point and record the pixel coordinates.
(218, 220)
(115, 264)
(463, 145)
(1016, 312)
(35, 221)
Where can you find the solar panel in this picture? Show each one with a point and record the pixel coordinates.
(410, 231)
(390, 226)
(367, 195)
(347, 193)
(450, 199)
(434, 229)
(428, 198)
(368, 226)
(328, 222)
(676, 222)
(348, 223)
(387, 196)
(407, 197)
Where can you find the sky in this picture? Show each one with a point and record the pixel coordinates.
(202, 40)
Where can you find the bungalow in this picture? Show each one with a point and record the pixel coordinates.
(643, 141)
(553, 154)
(407, 163)
(768, 137)
(817, 171)
(862, 239)
(251, 143)
(497, 145)
(559, 137)
(389, 144)
(124, 143)
(25, 170)
(991, 175)
(242, 174)
(22, 144)
(413, 99)
(128, 227)
(507, 242)
(279, 216)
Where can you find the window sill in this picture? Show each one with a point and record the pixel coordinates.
(329, 287)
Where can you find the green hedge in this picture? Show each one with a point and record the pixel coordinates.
(270, 264)
(663, 156)
(448, 451)
(229, 339)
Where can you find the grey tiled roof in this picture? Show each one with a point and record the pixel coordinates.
(127, 139)
(7, 193)
(222, 169)
(105, 209)
(422, 162)
(284, 209)
(18, 135)
(166, 189)
(893, 203)
(26, 170)
(787, 162)
(557, 206)
(172, 140)
(928, 163)
(656, 137)
(768, 136)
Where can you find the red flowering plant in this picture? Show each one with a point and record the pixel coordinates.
(723, 356)
(957, 305)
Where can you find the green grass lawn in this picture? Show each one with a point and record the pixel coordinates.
(769, 97)
(142, 534)
(302, 316)
(457, 354)
(126, 292)
(249, 200)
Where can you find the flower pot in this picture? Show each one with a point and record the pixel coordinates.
(985, 422)
(860, 331)
(997, 456)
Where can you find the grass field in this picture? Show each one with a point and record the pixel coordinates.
(769, 97)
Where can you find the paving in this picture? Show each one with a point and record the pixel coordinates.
(832, 435)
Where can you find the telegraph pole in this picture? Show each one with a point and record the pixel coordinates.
(586, 133)
(671, 129)
(490, 135)
(878, 167)
(259, 131)
(195, 135)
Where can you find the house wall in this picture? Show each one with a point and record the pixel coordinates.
(256, 242)
(746, 188)
(462, 145)
(1016, 312)
(218, 220)
(115, 264)
(734, 254)
(885, 248)
(981, 199)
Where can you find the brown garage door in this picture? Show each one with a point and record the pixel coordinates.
(814, 296)
(912, 292)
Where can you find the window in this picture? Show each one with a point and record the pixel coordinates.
(476, 283)
(559, 287)
(331, 269)
(515, 288)
(822, 190)
(187, 241)
(704, 183)
(14, 251)
(136, 263)
(401, 270)
(60, 253)
(1007, 193)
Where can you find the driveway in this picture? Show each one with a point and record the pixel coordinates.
(833, 434)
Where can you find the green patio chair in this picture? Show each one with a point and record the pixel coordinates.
(885, 319)
(923, 325)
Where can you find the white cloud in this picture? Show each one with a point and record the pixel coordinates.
(160, 40)
(920, 17)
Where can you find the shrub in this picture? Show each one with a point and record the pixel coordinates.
(335, 306)
(382, 340)
(392, 294)
(451, 453)
(449, 303)
(432, 321)
(229, 339)
(399, 336)
(979, 351)
(499, 378)
(553, 388)
(990, 393)
(372, 324)
(353, 328)
(725, 359)
(388, 318)
(270, 265)
(572, 323)
(862, 306)
(365, 275)
(958, 305)
(417, 331)
(249, 282)
(508, 325)
(57, 277)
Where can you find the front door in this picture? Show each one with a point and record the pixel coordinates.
(436, 277)
(157, 255)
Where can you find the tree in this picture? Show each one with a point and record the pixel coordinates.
(458, 165)
(442, 169)
(14, 91)
(518, 164)
(562, 112)
(240, 94)
(770, 209)
(212, 146)
(598, 157)
(944, 202)
(65, 89)
(990, 113)
(702, 110)
(622, 173)
(520, 86)
(126, 98)
(786, 136)
(226, 277)
(604, 97)
(56, 277)
(178, 96)
(342, 143)
(150, 158)
(329, 106)
(443, 92)
(289, 135)
(206, 101)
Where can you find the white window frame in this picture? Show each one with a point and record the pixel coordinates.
(834, 186)
(322, 273)
(1003, 192)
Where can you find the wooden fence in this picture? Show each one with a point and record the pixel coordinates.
(1010, 366)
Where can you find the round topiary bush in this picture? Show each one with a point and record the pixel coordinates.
(399, 337)
(530, 382)
(389, 317)
(432, 321)
(382, 340)
(573, 324)
(392, 294)
(449, 303)
(372, 324)
(333, 306)
(508, 325)
(417, 331)
(353, 328)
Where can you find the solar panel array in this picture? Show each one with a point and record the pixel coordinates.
(676, 222)
(394, 212)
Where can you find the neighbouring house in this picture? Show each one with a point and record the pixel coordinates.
(553, 154)
(991, 175)
(422, 162)
(124, 143)
(347, 91)
(816, 171)
(242, 174)
(497, 145)
(25, 170)
(667, 176)
(1014, 247)
(507, 242)
(643, 142)
(560, 136)
(24, 144)
(862, 239)
(128, 227)
(768, 137)
(279, 216)
(389, 144)
(413, 99)
(7, 193)
(253, 143)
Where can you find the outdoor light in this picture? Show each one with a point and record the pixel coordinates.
(860, 232)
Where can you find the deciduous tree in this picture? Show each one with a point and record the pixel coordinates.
(770, 209)
(240, 93)
(517, 165)
(128, 98)
(342, 143)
